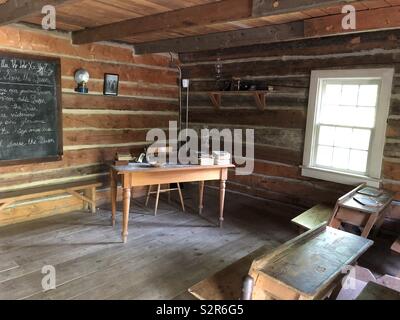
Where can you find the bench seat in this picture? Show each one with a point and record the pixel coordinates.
(313, 217)
(375, 291)
(396, 245)
(73, 188)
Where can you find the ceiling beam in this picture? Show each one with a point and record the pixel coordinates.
(206, 14)
(229, 39)
(16, 10)
(382, 18)
(215, 12)
(368, 20)
(263, 8)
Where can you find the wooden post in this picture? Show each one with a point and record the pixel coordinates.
(127, 202)
(201, 196)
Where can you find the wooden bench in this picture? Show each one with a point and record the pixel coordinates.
(74, 188)
(313, 217)
(375, 291)
(227, 283)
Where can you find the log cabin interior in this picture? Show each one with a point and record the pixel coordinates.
(199, 149)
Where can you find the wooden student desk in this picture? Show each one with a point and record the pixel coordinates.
(350, 211)
(308, 267)
(136, 175)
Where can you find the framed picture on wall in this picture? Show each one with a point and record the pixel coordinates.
(111, 83)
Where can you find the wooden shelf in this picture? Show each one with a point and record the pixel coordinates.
(259, 97)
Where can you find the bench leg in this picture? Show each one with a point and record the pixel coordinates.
(90, 193)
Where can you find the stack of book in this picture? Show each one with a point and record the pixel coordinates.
(123, 159)
(205, 159)
(222, 157)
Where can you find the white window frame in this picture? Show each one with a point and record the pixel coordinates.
(373, 178)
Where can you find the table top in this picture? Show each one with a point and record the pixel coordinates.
(310, 262)
(145, 167)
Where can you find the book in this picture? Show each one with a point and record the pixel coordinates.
(369, 191)
(367, 201)
(123, 157)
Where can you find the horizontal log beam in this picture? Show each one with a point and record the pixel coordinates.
(216, 12)
(206, 14)
(15, 10)
(267, 34)
(264, 8)
(368, 20)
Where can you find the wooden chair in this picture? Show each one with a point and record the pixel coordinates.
(167, 151)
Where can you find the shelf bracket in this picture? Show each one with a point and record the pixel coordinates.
(215, 99)
(260, 100)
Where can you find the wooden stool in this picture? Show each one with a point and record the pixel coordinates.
(159, 190)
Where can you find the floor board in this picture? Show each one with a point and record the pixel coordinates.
(164, 255)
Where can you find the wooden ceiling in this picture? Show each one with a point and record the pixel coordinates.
(153, 21)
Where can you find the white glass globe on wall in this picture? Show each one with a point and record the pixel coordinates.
(81, 76)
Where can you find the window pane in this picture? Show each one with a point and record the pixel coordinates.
(368, 95)
(340, 158)
(338, 115)
(358, 161)
(360, 139)
(342, 137)
(349, 95)
(365, 117)
(324, 156)
(331, 94)
(326, 135)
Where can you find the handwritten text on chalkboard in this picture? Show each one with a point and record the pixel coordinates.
(29, 111)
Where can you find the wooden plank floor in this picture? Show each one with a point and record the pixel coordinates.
(164, 255)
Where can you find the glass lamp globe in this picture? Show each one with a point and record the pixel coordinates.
(82, 78)
(82, 75)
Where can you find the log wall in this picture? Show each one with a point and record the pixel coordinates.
(95, 126)
(280, 129)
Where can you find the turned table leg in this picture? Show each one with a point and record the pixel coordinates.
(113, 190)
(201, 196)
(127, 202)
(221, 202)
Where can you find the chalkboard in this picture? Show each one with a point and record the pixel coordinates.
(30, 109)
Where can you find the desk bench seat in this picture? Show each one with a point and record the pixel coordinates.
(313, 217)
(375, 291)
(396, 245)
(74, 188)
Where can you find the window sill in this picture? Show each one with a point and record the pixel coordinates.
(339, 177)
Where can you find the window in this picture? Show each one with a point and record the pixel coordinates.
(346, 125)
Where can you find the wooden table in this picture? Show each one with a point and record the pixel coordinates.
(143, 175)
(350, 211)
(308, 267)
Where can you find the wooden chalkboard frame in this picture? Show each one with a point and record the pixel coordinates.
(60, 147)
